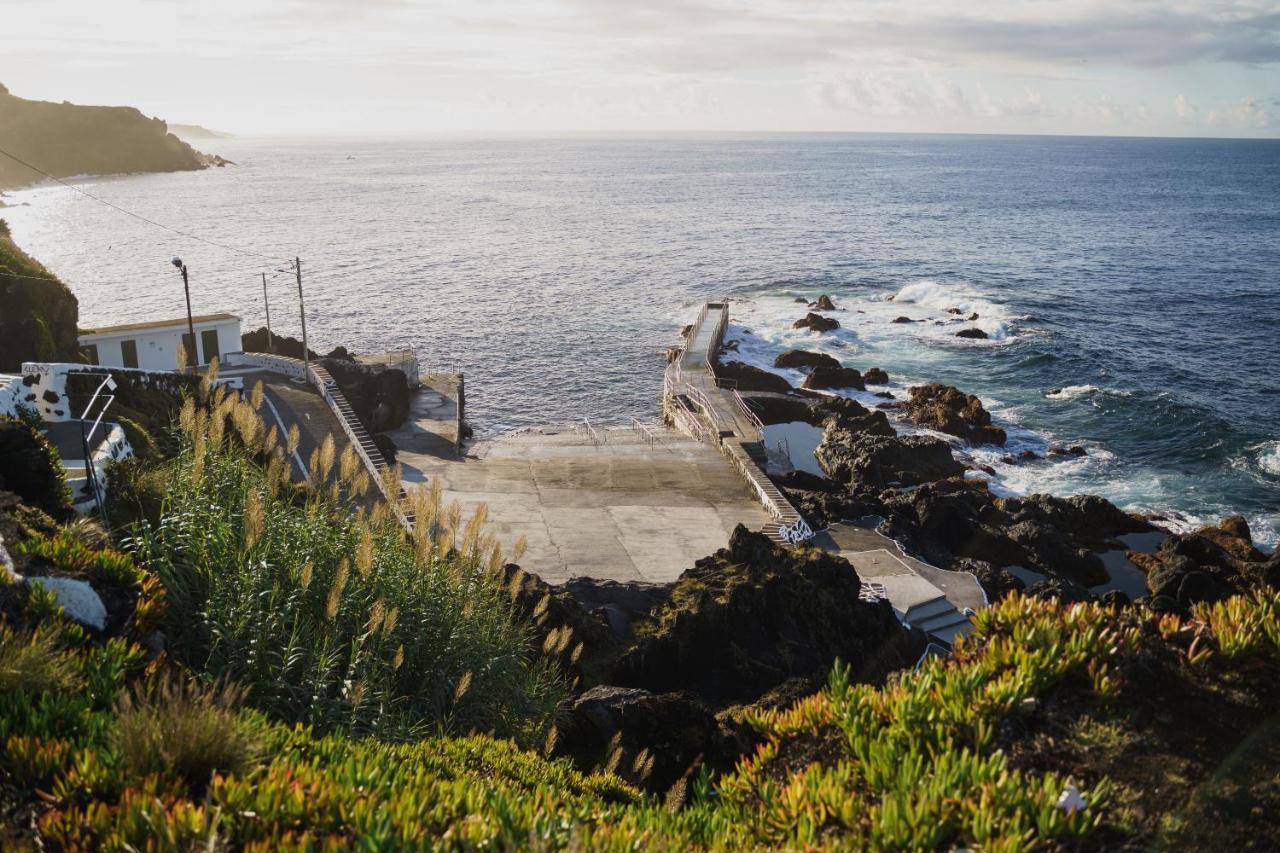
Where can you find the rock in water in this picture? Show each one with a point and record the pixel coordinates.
(903, 320)
(816, 323)
(834, 377)
(755, 615)
(824, 303)
(1210, 564)
(861, 458)
(875, 376)
(971, 333)
(946, 409)
(749, 378)
(801, 358)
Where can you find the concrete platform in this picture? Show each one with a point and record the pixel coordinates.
(622, 508)
(907, 581)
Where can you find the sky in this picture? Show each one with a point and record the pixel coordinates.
(1107, 67)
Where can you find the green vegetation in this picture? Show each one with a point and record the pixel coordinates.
(332, 618)
(38, 322)
(31, 468)
(289, 673)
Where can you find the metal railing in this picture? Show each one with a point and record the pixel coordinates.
(375, 463)
(597, 438)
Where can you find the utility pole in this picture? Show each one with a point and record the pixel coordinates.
(302, 308)
(270, 344)
(192, 357)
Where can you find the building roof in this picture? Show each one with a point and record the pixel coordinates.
(157, 324)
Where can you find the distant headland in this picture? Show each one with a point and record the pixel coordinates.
(65, 139)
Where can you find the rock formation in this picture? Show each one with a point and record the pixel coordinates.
(816, 323)
(804, 358)
(66, 139)
(946, 409)
(834, 377)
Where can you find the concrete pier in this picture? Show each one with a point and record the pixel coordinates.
(620, 504)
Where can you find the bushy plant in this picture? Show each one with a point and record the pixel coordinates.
(330, 617)
(175, 726)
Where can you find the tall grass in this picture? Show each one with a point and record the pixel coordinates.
(330, 616)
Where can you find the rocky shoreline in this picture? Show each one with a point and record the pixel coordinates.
(665, 675)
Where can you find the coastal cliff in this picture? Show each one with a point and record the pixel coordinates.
(68, 139)
(38, 320)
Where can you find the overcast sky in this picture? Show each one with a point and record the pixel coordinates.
(1128, 67)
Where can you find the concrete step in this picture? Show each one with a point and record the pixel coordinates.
(928, 609)
(942, 621)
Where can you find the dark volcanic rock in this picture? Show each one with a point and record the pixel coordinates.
(804, 358)
(549, 609)
(971, 333)
(903, 320)
(949, 410)
(1210, 564)
(755, 615)
(834, 377)
(649, 740)
(379, 394)
(618, 604)
(778, 409)
(259, 341)
(749, 378)
(816, 323)
(1092, 521)
(824, 303)
(852, 416)
(875, 376)
(880, 461)
(996, 582)
(1063, 590)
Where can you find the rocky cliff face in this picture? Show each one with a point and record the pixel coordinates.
(68, 139)
(38, 313)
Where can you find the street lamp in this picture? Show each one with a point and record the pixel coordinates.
(192, 357)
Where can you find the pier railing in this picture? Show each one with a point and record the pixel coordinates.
(375, 463)
(679, 391)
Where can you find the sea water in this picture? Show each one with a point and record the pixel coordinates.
(1129, 288)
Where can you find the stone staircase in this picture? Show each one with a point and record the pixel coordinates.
(939, 619)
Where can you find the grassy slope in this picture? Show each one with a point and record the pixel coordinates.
(38, 313)
(1160, 722)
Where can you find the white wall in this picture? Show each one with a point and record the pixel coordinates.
(158, 348)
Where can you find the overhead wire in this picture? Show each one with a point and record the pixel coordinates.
(140, 217)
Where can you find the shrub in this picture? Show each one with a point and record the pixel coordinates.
(175, 727)
(31, 467)
(330, 617)
(34, 662)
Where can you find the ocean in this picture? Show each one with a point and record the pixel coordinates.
(1130, 288)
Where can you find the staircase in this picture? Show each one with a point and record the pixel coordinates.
(938, 618)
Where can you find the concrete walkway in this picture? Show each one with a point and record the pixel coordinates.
(620, 509)
(434, 420)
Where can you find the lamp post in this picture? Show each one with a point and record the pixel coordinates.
(192, 357)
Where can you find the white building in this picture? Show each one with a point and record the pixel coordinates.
(154, 345)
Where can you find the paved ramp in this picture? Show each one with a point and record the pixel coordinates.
(627, 507)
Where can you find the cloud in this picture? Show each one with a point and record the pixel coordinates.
(1187, 112)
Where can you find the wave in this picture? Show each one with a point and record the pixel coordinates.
(1267, 457)
(952, 304)
(1070, 392)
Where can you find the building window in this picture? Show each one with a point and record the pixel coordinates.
(89, 352)
(129, 353)
(209, 345)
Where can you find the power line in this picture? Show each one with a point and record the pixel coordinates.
(223, 246)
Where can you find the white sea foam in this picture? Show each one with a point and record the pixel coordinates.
(934, 306)
(1070, 392)
(1268, 458)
